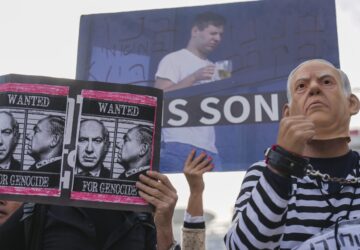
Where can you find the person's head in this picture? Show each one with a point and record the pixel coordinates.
(46, 139)
(206, 33)
(321, 92)
(7, 208)
(9, 134)
(93, 143)
(137, 147)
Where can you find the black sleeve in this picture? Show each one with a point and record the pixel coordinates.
(12, 235)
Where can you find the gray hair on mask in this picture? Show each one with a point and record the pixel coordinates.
(345, 80)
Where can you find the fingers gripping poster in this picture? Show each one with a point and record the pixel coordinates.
(75, 142)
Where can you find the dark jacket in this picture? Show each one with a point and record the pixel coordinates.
(52, 167)
(104, 172)
(14, 164)
(57, 228)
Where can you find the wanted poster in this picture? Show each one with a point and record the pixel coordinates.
(32, 123)
(114, 145)
(77, 143)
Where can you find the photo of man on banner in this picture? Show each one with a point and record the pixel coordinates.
(222, 69)
(46, 143)
(93, 143)
(9, 135)
(184, 68)
(135, 152)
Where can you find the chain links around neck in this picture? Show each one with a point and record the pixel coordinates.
(327, 178)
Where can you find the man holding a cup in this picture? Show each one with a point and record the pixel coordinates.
(184, 68)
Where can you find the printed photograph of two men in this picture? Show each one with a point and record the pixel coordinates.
(65, 143)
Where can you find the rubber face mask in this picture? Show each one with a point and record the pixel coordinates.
(317, 93)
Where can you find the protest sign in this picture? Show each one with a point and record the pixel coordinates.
(66, 142)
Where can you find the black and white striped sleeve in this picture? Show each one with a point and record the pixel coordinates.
(260, 210)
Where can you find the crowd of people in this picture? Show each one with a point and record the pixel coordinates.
(307, 182)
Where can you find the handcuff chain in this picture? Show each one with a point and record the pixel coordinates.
(327, 178)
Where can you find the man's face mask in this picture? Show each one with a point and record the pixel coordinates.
(317, 93)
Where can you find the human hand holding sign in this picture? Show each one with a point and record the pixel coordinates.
(157, 189)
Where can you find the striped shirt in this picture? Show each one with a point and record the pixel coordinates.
(273, 212)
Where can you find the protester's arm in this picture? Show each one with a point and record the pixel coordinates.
(260, 209)
(156, 189)
(194, 169)
(259, 221)
(193, 232)
(204, 73)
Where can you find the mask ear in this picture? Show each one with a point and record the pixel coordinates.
(354, 104)
(286, 110)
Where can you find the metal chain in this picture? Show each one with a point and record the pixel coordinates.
(327, 178)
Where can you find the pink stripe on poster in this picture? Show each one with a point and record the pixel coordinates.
(35, 88)
(54, 192)
(120, 96)
(153, 144)
(108, 198)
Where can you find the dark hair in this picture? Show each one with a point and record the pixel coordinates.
(205, 19)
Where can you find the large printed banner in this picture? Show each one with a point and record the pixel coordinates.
(77, 143)
(223, 69)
